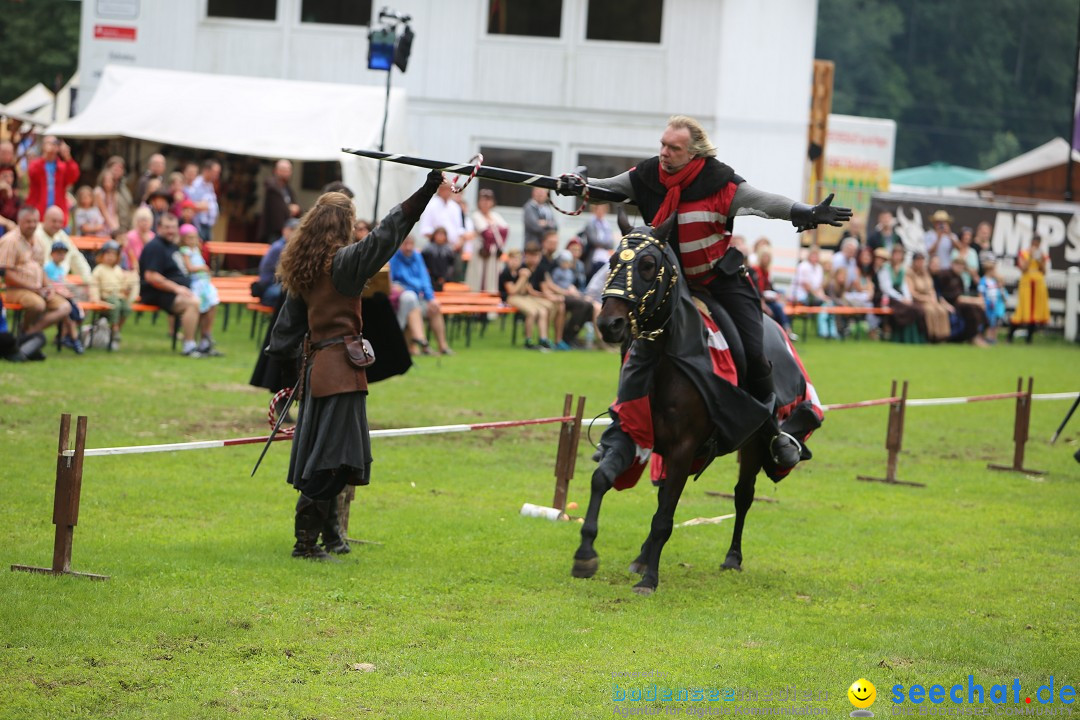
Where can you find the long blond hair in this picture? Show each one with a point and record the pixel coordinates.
(700, 146)
(325, 229)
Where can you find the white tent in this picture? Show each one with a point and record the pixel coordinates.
(261, 117)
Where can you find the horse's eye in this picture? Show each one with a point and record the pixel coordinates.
(647, 268)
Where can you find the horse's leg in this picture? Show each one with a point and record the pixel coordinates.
(586, 560)
(640, 565)
(749, 465)
(678, 468)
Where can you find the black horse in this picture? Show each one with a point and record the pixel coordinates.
(645, 300)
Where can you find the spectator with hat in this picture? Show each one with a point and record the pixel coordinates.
(940, 239)
(111, 284)
(158, 202)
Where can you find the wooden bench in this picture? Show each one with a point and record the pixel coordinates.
(806, 311)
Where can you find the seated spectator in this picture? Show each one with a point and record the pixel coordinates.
(846, 258)
(204, 290)
(966, 251)
(808, 285)
(906, 321)
(10, 202)
(515, 290)
(25, 277)
(951, 286)
(50, 232)
(835, 287)
(89, 222)
(110, 283)
(69, 328)
(771, 303)
(439, 259)
(165, 283)
(417, 299)
(935, 310)
(572, 312)
(993, 294)
(14, 349)
(132, 244)
(267, 288)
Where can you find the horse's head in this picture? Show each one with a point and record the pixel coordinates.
(639, 284)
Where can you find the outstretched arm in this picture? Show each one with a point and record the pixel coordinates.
(748, 200)
(354, 264)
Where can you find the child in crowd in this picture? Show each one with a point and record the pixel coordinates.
(204, 290)
(69, 328)
(835, 288)
(517, 292)
(110, 283)
(88, 218)
(993, 294)
(563, 273)
(439, 259)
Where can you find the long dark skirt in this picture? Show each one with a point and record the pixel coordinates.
(331, 447)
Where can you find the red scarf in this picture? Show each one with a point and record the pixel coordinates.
(676, 184)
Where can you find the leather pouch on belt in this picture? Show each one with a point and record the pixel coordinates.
(359, 353)
(731, 262)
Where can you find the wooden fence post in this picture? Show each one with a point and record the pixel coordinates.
(66, 501)
(894, 440)
(1021, 426)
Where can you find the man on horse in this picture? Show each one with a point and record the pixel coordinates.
(687, 179)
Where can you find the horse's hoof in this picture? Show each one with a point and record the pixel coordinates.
(585, 568)
(638, 567)
(644, 590)
(732, 562)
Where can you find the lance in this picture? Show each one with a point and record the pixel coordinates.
(1066, 420)
(513, 177)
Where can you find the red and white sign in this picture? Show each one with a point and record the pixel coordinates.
(114, 32)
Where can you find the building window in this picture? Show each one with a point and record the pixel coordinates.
(242, 9)
(534, 161)
(625, 20)
(538, 18)
(336, 12)
(605, 166)
(317, 175)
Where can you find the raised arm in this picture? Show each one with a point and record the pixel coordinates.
(354, 264)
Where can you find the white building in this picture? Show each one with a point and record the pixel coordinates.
(542, 85)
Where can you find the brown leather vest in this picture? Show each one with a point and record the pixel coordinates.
(332, 315)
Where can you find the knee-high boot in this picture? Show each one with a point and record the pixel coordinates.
(332, 540)
(783, 448)
(309, 522)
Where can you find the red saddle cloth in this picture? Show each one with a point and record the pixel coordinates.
(635, 416)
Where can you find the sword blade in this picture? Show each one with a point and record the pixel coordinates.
(488, 172)
(277, 426)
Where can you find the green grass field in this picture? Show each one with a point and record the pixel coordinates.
(468, 610)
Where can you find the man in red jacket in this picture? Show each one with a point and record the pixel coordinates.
(51, 175)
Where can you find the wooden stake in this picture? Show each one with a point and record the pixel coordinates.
(1021, 426)
(894, 440)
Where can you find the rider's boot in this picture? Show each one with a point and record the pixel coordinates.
(784, 450)
(616, 453)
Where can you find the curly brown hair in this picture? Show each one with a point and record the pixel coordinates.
(325, 229)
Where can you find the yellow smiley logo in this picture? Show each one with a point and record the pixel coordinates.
(862, 693)
(626, 255)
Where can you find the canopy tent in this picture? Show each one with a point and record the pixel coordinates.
(938, 175)
(260, 117)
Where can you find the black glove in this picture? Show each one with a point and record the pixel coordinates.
(414, 205)
(571, 184)
(805, 217)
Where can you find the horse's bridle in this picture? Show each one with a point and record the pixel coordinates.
(651, 300)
